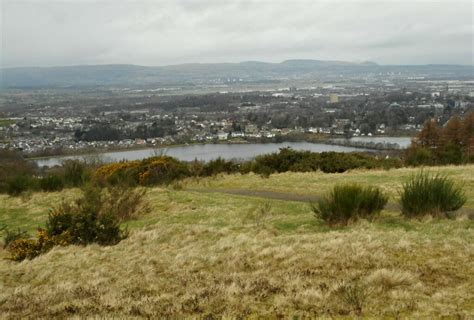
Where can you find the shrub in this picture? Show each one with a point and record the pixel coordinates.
(75, 172)
(93, 218)
(87, 220)
(161, 170)
(22, 249)
(51, 182)
(288, 159)
(332, 162)
(350, 202)
(124, 202)
(416, 156)
(425, 193)
(12, 165)
(19, 184)
(119, 172)
(219, 165)
(196, 168)
(452, 154)
(11, 236)
(372, 201)
(150, 171)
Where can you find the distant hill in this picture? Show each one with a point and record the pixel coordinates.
(133, 75)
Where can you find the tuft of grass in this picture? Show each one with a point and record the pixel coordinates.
(260, 215)
(353, 295)
(426, 193)
(349, 202)
(388, 279)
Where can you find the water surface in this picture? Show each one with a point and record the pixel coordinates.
(205, 152)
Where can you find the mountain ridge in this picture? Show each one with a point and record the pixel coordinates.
(130, 74)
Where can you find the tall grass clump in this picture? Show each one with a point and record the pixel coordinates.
(426, 193)
(345, 203)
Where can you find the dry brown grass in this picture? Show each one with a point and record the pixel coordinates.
(197, 255)
(197, 270)
(317, 183)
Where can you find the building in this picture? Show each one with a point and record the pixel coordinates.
(251, 129)
(221, 135)
(333, 98)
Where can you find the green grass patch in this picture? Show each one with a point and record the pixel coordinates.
(394, 222)
(6, 122)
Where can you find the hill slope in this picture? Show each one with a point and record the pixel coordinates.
(213, 254)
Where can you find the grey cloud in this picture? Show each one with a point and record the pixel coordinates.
(66, 32)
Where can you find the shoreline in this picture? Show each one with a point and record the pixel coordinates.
(327, 140)
(94, 151)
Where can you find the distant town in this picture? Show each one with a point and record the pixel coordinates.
(42, 121)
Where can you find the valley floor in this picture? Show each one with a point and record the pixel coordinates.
(250, 246)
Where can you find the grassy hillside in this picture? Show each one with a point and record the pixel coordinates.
(247, 246)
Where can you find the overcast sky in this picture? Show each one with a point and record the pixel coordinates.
(162, 32)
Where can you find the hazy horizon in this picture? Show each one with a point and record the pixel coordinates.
(223, 62)
(160, 33)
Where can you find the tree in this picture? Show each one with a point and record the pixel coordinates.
(429, 136)
(467, 133)
(452, 132)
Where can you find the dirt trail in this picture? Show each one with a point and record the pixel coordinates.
(274, 195)
(261, 194)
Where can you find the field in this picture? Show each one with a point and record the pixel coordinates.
(6, 122)
(247, 246)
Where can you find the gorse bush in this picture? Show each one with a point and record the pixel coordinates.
(161, 170)
(288, 159)
(219, 165)
(350, 202)
(124, 202)
(87, 220)
(164, 170)
(22, 248)
(93, 218)
(426, 193)
(150, 171)
(11, 236)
